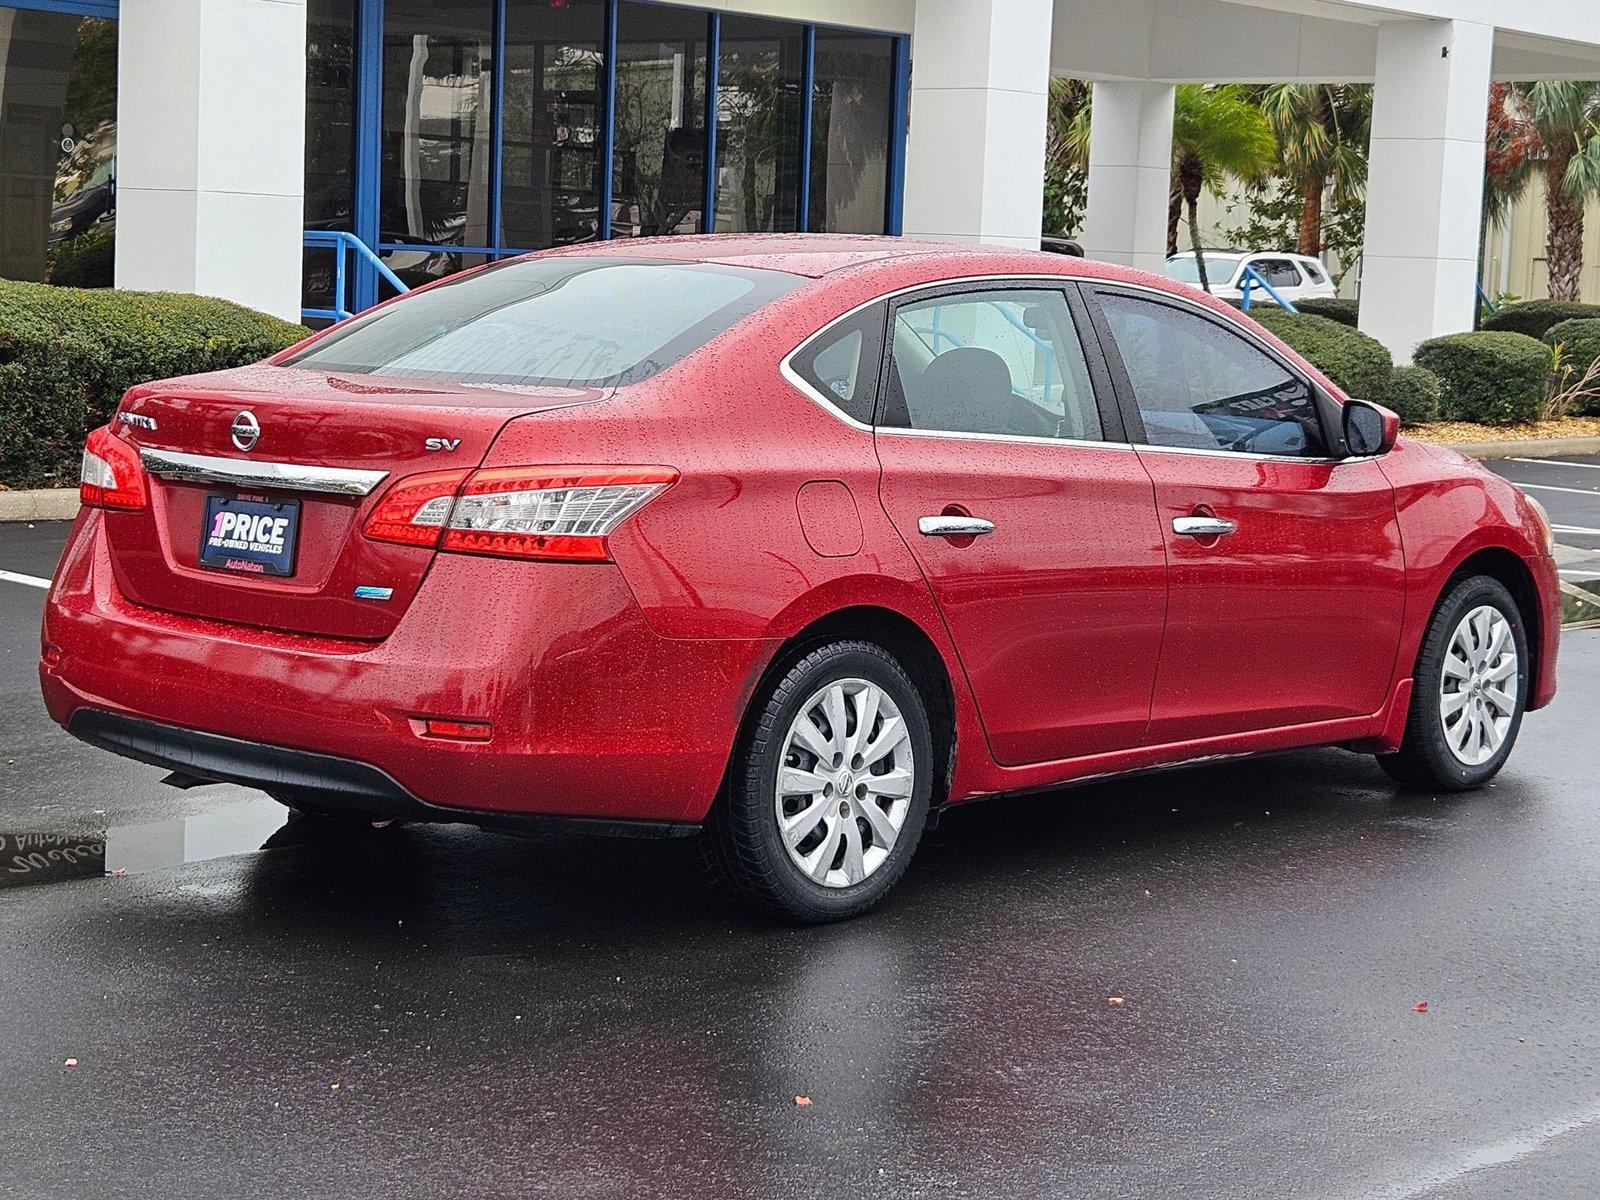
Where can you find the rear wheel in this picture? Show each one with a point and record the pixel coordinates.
(828, 791)
(1470, 689)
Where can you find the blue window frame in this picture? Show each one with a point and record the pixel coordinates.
(367, 168)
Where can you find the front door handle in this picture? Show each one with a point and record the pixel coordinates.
(953, 526)
(1203, 527)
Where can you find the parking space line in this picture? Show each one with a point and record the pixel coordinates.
(1556, 462)
(29, 580)
(1545, 487)
(1571, 574)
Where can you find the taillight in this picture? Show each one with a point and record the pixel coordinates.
(112, 475)
(413, 512)
(557, 513)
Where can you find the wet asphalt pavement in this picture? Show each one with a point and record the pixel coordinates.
(441, 1012)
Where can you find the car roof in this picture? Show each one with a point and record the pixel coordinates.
(813, 255)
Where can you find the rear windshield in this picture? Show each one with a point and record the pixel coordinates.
(593, 322)
(1186, 270)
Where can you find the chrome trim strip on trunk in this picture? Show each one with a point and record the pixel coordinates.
(269, 476)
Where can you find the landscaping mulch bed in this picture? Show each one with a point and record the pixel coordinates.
(1464, 432)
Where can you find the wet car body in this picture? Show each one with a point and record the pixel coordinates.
(1082, 639)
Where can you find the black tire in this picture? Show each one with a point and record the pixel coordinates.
(742, 843)
(1425, 759)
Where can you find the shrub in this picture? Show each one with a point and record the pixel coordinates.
(1579, 344)
(1495, 378)
(1346, 312)
(1535, 317)
(1413, 392)
(67, 355)
(1358, 364)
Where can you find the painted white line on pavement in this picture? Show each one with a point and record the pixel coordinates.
(30, 580)
(1486, 1157)
(1574, 529)
(1556, 462)
(1545, 487)
(1579, 574)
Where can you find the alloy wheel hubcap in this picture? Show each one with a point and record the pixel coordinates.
(1479, 685)
(845, 782)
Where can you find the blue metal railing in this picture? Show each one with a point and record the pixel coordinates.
(1483, 299)
(1252, 279)
(343, 245)
(1011, 319)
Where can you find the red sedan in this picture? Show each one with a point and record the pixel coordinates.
(792, 540)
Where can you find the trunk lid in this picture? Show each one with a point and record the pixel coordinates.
(328, 447)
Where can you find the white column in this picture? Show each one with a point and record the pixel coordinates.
(1425, 181)
(1130, 174)
(211, 149)
(980, 84)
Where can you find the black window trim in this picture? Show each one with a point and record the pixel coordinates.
(1327, 407)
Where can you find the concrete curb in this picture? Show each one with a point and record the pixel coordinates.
(41, 504)
(1541, 448)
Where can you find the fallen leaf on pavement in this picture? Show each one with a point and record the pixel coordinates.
(802, 1101)
(71, 1062)
(1116, 1000)
(1420, 1006)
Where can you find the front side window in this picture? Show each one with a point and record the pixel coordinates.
(566, 321)
(1279, 272)
(992, 362)
(1200, 386)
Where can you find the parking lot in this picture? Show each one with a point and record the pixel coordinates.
(1256, 979)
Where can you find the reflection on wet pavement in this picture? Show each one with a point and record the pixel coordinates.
(52, 856)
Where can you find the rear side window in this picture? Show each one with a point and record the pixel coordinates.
(564, 321)
(999, 362)
(1202, 387)
(842, 362)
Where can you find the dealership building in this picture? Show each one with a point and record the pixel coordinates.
(275, 152)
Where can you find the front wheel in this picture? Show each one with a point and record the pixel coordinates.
(1469, 691)
(828, 791)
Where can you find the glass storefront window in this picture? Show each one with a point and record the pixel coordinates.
(489, 137)
(58, 148)
(554, 106)
(851, 110)
(437, 93)
(758, 125)
(330, 135)
(660, 154)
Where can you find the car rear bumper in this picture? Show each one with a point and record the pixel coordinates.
(593, 715)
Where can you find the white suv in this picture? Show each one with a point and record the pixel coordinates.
(1295, 277)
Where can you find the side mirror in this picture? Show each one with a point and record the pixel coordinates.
(1369, 429)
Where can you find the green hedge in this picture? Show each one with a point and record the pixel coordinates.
(1495, 378)
(1579, 341)
(1346, 312)
(68, 354)
(1535, 317)
(1358, 364)
(1414, 393)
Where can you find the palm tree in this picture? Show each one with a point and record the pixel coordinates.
(1566, 119)
(1322, 131)
(1216, 133)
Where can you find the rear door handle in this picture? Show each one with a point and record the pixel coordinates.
(1201, 527)
(948, 526)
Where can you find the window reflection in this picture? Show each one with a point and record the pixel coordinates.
(659, 170)
(758, 126)
(852, 103)
(58, 111)
(555, 79)
(437, 92)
